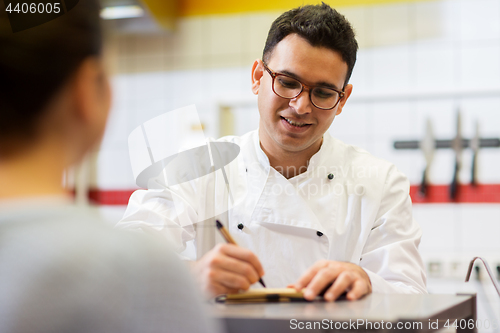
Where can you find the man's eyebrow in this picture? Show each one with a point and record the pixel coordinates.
(321, 83)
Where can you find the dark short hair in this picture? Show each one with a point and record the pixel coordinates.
(321, 26)
(35, 63)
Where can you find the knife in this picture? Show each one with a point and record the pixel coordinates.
(474, 145)
(428, 146)
(457, 146)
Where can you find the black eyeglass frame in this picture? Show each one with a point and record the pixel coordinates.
(276, 74)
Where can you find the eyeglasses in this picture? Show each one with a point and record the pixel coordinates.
(288, 87)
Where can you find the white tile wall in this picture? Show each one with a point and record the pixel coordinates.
(480, 65)
(190, 37)
(389, 24)
(478, 19)
(429, 20)
(255, 32)
(114, 170)
(440, 228)
(434, 66)
(362, 78)
(246, 119)
(391, 71)
(484, 110)
(480, 229)
(224, 34)
(355, 114)
(488, 166)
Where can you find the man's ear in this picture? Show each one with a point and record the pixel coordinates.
(347, 93)
(257, 72)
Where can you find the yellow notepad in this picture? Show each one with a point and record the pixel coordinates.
(263, 295)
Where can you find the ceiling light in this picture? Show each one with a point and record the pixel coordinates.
(121, 12)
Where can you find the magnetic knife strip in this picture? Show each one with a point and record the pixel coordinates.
(442, 144)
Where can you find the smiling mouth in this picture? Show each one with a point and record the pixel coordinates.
(294, 123)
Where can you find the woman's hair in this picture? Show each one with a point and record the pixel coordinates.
(35, 63)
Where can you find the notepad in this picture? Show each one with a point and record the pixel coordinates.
(263, 295)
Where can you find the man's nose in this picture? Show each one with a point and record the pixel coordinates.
(302, 103)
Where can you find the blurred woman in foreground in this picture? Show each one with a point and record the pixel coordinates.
(62, 269)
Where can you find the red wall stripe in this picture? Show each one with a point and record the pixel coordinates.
(110, 197)
(486, 193)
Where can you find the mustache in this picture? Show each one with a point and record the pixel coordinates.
(290, 112)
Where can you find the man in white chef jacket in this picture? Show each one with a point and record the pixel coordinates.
(305, 208)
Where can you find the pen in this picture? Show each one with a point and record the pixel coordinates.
(230, 240)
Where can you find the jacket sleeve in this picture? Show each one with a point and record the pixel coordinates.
(171, 211)
(390, 256)
(184, 211)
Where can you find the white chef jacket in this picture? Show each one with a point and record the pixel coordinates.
(362, 215)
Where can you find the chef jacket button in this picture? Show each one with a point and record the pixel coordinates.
(319, 233)
(240, 226)
(330, 176)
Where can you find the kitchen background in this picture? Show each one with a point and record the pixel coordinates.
(418, 61)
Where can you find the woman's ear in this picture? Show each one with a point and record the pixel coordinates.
(257, 72)
(85, 89)
(92, 91)
(92, 99)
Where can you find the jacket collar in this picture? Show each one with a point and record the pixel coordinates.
(318, 161)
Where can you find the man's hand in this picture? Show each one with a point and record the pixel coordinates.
(344, 275)
(227, 268)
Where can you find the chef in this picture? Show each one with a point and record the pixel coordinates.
(307, 210)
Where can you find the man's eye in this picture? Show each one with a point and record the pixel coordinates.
(288, 83)
(324, 93)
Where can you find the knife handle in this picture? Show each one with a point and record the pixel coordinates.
(474, 170)
(423, 185)
(454, 184)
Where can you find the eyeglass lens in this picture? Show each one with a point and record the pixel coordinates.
(321, 97)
